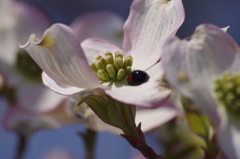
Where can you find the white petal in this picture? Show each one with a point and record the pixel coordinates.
(198, 61)
(37, 98)
(229, 140)
(152, 118)
(59, 88)
(60, 56)
(94, 47)
(149, 24)
(148, 95)
(207, 103)
(104, 25)
(225, 29)
(19, 120)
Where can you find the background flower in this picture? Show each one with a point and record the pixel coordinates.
(200, 68)
(18, 21)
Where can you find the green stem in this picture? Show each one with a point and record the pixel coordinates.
(89, 139)
(22, 145)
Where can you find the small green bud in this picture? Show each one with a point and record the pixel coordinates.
(94, 68)
(128, 61)
(229, 98)
(103, 75)
(228, 86)
(118, 54)
(119, 63)
(220, 94)
(99, 65)
(226, 76)
(103, 61)
(120, 74)
(108, 53)
(111, 71)
(128, 70)
(109, 59)
(98, 57)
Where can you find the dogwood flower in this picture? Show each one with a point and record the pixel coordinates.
(66, 64)
(21, 74)
(109, 26)
(206, 69)
(31, 105)
(46, 115)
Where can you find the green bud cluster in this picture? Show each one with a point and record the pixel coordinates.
(112, 68)
(227, 89)
(27, 66)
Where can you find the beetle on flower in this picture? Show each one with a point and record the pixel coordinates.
(70, 68)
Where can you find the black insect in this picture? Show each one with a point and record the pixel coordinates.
(137, 77)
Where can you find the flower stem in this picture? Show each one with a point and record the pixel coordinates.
(21, 147)
(89, 141)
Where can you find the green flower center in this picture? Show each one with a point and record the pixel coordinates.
(27, 66)
(227, 89)
(112, 68)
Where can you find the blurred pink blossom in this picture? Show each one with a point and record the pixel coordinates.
(206, 69)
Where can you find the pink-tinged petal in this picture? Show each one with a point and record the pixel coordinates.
(37, 98)
(148, 95)
(225, 29)
(152, 118)
(207, 103)
(229, 139)
(200, 59)
(94, 47)
(60, 56)
(103, 25)
(19, 120)
(59, 88)
(149, 24)
(17, 22)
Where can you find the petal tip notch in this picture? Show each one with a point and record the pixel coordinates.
(32, 38)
